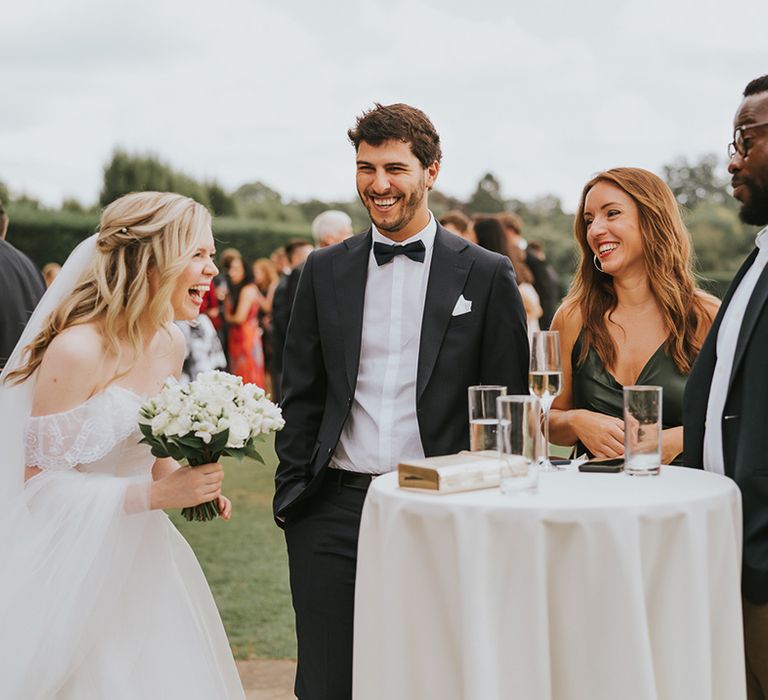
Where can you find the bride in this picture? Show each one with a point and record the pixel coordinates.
(100, 596)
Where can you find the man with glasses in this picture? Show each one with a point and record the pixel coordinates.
(725, 411)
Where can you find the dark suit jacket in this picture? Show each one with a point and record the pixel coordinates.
(21, 287)
(489, 345)
(744, 425)
(547, 286)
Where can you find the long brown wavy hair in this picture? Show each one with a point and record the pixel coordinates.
(668, 262)
(139, 232)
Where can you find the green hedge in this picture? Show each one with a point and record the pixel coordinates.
(49, 236)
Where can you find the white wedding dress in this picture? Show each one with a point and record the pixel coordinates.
(101, 597)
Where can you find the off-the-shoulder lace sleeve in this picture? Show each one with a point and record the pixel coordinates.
(82, 435)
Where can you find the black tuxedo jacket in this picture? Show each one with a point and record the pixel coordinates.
(21, 287)
(488, 345)
(744, 424)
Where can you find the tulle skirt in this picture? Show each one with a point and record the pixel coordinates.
(99, 603)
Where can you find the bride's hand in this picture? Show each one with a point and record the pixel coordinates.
(225, 507)
(187, 486)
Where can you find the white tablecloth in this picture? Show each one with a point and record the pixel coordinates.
(600, 587)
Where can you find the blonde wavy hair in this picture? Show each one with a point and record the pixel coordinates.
(139, 233)
(668, 262)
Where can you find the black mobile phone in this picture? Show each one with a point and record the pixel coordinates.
(603, 466)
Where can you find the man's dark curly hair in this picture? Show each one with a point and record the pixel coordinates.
(756, 86)
(399, 122)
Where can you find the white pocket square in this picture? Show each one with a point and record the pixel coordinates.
(463, 306)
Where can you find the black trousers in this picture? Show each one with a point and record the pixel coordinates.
(322, 556)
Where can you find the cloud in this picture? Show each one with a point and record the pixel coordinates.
(541, 94)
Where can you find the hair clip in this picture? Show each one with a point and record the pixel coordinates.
(123, 230)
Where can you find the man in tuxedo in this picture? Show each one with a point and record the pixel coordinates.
(21, 287)
(725, 411)
(388, 330)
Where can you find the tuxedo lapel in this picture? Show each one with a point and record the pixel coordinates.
(705, 362)
(350, 272)
(447, 275)
(751, 316)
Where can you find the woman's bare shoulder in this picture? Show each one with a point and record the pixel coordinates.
(568, 319)
(70, 370)
(710, 303)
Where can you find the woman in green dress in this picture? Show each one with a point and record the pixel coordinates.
(633, 314)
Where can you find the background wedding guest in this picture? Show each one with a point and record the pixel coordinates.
(241, 310)
(633, 314)
(383, 342)
(490, 235)
(537, 250)
(21, 287)
(725, 407)
(297, 252)
(266, 279)
(330, 227)
(549, 294)
(50, 270)
(204, 349)
(458, 222)
(279, 259)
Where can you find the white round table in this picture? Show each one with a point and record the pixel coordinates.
(599, 587)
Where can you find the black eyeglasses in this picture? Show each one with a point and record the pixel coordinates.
(740, 144)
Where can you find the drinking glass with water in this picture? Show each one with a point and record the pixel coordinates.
(482, 415)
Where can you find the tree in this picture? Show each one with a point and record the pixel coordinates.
(72, 204)
(487, 198)
(694, 183)
(221, 203)
(126, 173)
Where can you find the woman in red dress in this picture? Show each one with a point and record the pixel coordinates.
(241, 312)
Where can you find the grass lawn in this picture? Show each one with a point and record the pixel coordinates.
(246, 563)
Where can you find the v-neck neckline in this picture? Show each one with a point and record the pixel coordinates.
(642, 371)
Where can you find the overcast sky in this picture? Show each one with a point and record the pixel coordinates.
(543, 94)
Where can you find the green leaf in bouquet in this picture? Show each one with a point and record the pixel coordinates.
(146, 430)
(192, 441)
(250, 451)
(181, 451)
(237, 452)
(160, 451)
(219, 442)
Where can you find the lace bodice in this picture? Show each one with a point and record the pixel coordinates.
(99, 435)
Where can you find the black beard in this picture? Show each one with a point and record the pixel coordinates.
(755, 212)
(412, 203)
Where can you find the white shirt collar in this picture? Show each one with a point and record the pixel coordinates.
(426, 235)
(761, 239)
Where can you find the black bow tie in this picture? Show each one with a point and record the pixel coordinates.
(384, 253)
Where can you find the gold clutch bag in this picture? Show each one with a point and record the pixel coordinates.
(465, 471)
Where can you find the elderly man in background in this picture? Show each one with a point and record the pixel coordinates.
(330, 227)
(21, 287)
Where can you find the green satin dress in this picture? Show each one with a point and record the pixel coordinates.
(596, 389)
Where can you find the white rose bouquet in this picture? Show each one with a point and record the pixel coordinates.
(213, 416)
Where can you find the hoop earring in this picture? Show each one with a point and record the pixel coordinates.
(596, 263)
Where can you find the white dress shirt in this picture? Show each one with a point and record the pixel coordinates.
(382, 428)
(727, 338)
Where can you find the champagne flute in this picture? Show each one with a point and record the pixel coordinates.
(544, 381)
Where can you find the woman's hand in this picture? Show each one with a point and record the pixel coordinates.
(187, 486)
(225, 507)
(671, 444)
(602, 435)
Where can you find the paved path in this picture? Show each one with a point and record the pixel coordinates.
(267, 679)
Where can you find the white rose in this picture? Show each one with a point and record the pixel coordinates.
(239, 431)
